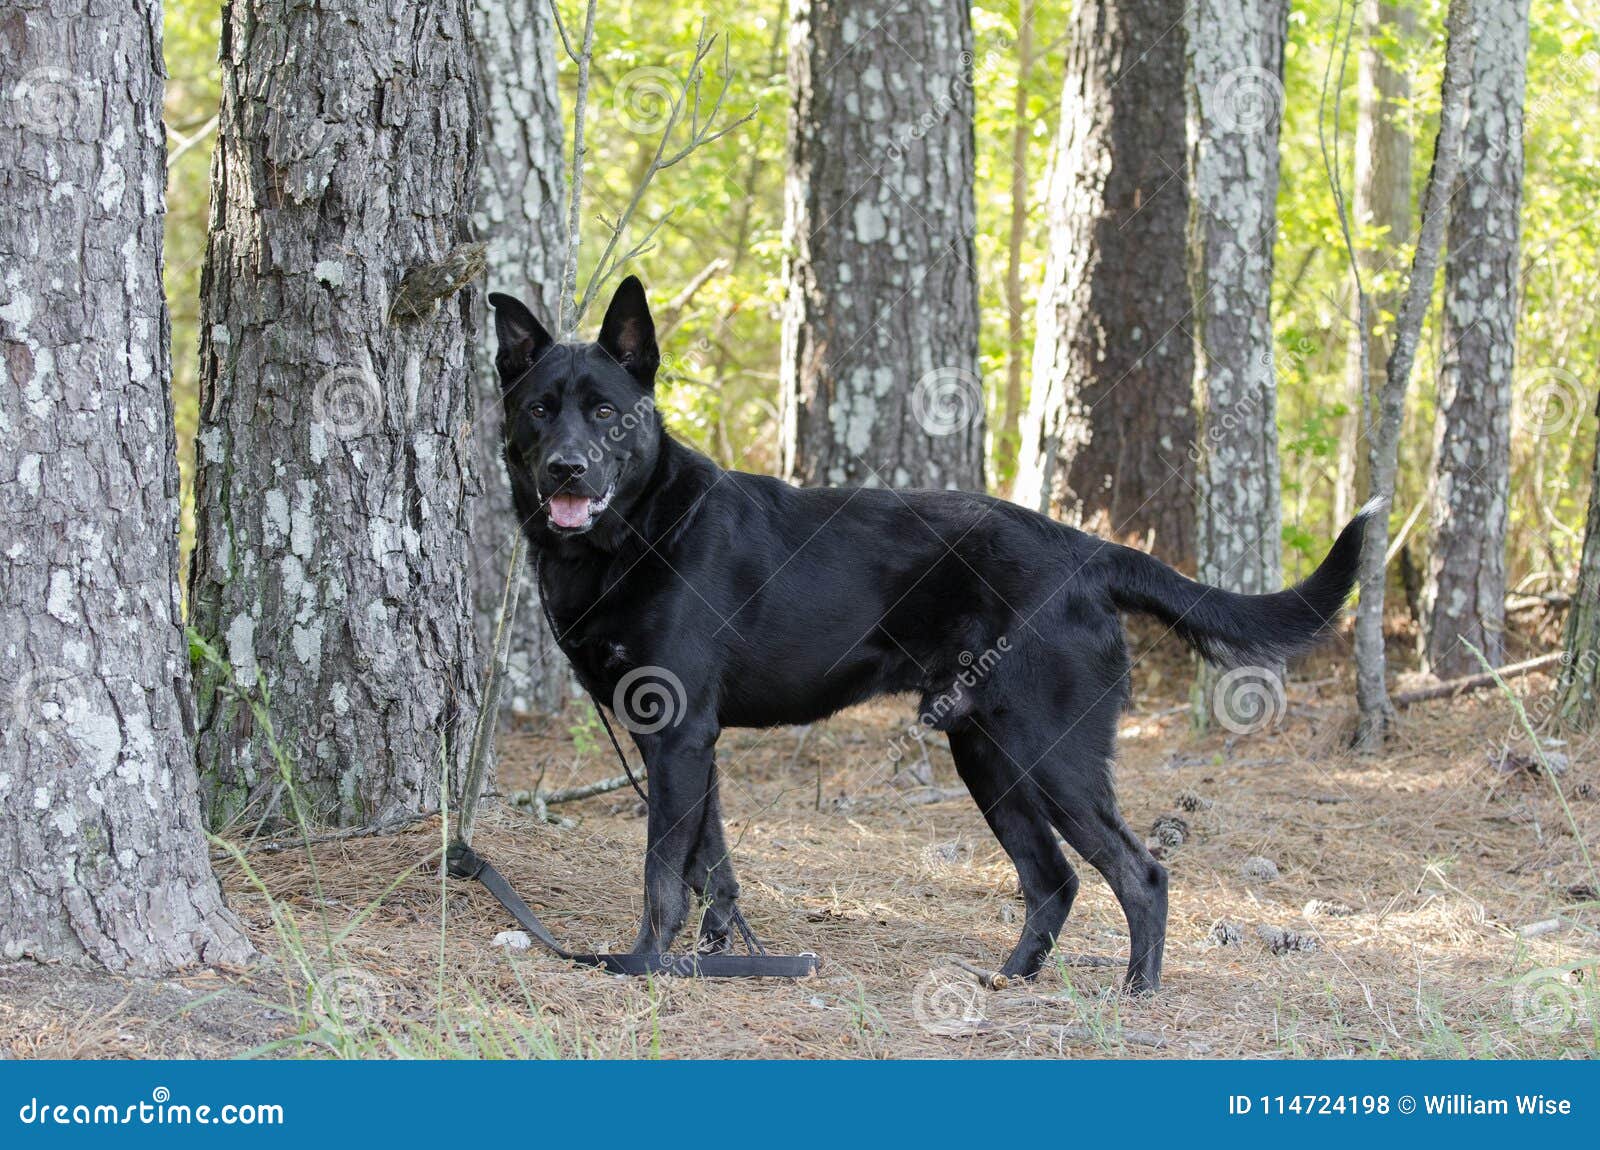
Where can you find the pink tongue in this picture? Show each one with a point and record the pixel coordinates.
(569, 510)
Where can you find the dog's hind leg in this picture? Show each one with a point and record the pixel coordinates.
(710, 875)
(1010, 806)
(1076, 784)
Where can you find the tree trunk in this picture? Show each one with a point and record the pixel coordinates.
(1383, 432)
(1111, 419)
(520, 196)
(1383, 221)
(880, 330)
(1006, 440)
(1578, 686)
(100, 836)
(1237, 59)
(1465, 593)
(334, 553)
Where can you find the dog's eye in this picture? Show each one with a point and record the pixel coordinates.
(604, 411)
(537, 411)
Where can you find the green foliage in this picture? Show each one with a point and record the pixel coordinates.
(726, 207)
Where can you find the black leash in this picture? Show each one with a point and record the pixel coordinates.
(461, 861)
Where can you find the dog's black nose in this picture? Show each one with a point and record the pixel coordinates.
(566, 468)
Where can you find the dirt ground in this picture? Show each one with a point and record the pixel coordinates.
(1439, 902)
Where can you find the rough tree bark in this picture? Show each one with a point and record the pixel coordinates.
(1111, 417)
(1465, 593)
(1237, 68)
(880, 330)
(1383, 429)
(1382, 205)
(1578, 686)
(100, 836)
(333, 559)
(518, 214)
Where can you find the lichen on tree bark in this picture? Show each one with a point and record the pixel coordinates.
(335, 463)
(880, 382)
(1465, 593)
(518, 212)
(101, 846)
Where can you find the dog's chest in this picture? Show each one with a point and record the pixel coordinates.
(591, 631)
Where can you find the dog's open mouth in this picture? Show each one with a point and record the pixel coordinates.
(573, 512)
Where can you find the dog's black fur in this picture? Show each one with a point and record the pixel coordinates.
(772, 604)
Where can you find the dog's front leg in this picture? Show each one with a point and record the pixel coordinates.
(710, 875)
(679, 760)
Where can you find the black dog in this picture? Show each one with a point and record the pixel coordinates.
(695, 599)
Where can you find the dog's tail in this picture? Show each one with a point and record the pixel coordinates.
(1232, 629)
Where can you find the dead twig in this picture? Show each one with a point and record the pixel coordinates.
(1454, 687)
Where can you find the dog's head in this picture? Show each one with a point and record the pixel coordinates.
(581, 429)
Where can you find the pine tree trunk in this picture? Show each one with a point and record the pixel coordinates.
(1237, 61)
(1372, 660)
(1111, 420)
(334, 553)
(1382, 216)
(521, 192)
(100, 836)
(1465, 593)
(880, 331)
(1578, 687)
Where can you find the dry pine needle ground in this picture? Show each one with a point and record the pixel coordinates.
(1435, 903)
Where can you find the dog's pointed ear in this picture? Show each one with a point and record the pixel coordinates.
(628, 334)
(521, 338)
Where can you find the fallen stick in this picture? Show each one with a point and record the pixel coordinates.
(1454, 687)
(988, 979)
(539, 801)
(297, 841)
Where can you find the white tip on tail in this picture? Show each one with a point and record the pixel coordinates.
(1373, 506)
